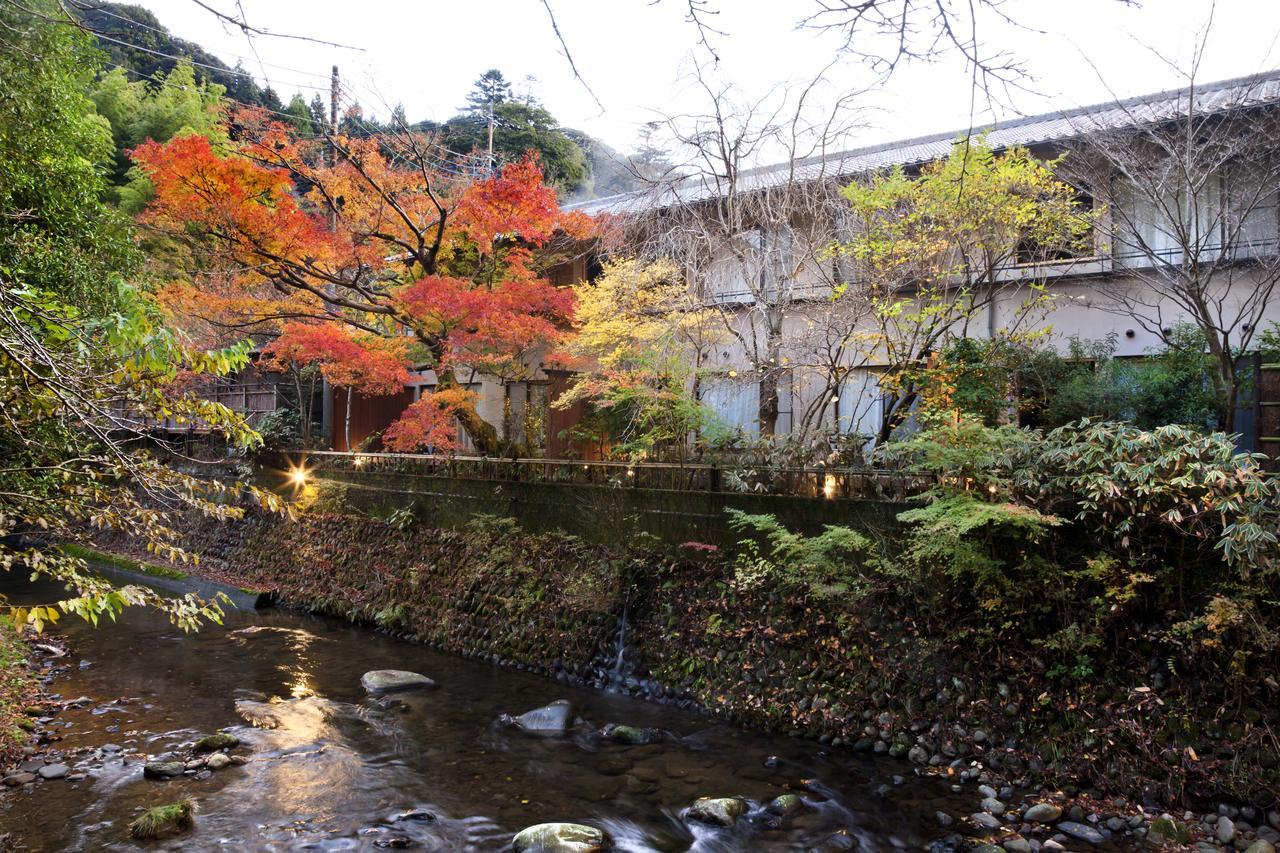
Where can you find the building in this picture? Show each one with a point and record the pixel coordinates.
(1207, 209)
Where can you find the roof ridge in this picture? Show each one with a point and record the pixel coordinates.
(1258, 78)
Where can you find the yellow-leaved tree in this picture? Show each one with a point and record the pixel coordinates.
(640, 341)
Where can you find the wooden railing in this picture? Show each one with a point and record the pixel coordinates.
(828, 483)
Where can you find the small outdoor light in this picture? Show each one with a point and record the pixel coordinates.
(298, 476)
(829, 486)
(358, 461)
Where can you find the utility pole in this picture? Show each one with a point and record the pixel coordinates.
(333, 117)
(491, 121)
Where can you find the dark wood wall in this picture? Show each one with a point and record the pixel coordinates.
(368, 415)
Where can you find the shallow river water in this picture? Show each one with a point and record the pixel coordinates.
(340, 766)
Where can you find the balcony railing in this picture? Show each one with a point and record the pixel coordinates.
(826, 483)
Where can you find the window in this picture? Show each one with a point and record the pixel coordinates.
(736, 402)
(1032, 251)
(1231, 211)
(734, 267)
(527, 402)
(860, 409)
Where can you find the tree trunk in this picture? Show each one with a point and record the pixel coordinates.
(346, 425)
(768, 411)
(482, 433)
(304, 408)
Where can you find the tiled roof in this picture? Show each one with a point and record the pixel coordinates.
(1051, 127)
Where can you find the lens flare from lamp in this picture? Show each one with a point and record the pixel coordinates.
(298, 476)
(829, 486)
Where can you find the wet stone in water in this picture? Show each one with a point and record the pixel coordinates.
(555, 718)
(163, 769)
(380, 681)
(717, 811)
(560, 838)
(215, 742)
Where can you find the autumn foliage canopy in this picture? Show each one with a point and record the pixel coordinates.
(368, 259)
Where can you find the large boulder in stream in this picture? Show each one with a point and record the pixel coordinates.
(379, 681)
(717, 811)
(555, 718)
(560, 838)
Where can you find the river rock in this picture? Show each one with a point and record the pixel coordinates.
(15, 779)
(631, 735)
(549, 719)
(162, 769)
(1166, 829)
(1225, 830)
(216, 741)
(1042, 813)
(836, 842)
(985, 820)
(1017, 844)
(380, 681)
(1081, 832)
(991, 804)
(217, 761)
(717, 811)
(53, 771)
(1262, 845)
(784, 805)
(559, 838)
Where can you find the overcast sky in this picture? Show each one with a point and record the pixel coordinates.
(636, 55)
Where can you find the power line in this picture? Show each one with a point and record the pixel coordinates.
(372, 131)
(162, 31)
(150, 79)
(187, 59)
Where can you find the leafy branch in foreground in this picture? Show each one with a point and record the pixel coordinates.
(77, 395)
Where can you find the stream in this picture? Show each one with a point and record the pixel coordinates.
(340, 769)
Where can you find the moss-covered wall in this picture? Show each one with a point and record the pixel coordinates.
(599, 513)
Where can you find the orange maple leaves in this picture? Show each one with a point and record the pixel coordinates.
(385, 238)
(362, 362)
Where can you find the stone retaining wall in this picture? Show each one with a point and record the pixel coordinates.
(599, 513)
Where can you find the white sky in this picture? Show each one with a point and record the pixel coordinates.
(635, 54)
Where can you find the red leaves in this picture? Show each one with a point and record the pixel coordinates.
(386, 237)
(488, 326)
(430, 422)
(513, 203)
(247, 210)
(363, 362)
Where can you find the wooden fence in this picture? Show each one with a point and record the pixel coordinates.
(828, 483)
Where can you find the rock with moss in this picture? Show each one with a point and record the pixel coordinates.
(631, 735)
(555, 718)
(717, 811)
(784, 805)
(215, 742)
(381, 681)
(560, 838)
(163, 821)
(1165, 828)
(163, 769)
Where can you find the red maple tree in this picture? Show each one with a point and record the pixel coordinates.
(337, 243)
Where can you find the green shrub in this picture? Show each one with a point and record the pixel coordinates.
(826, 564)
(1073, 537)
